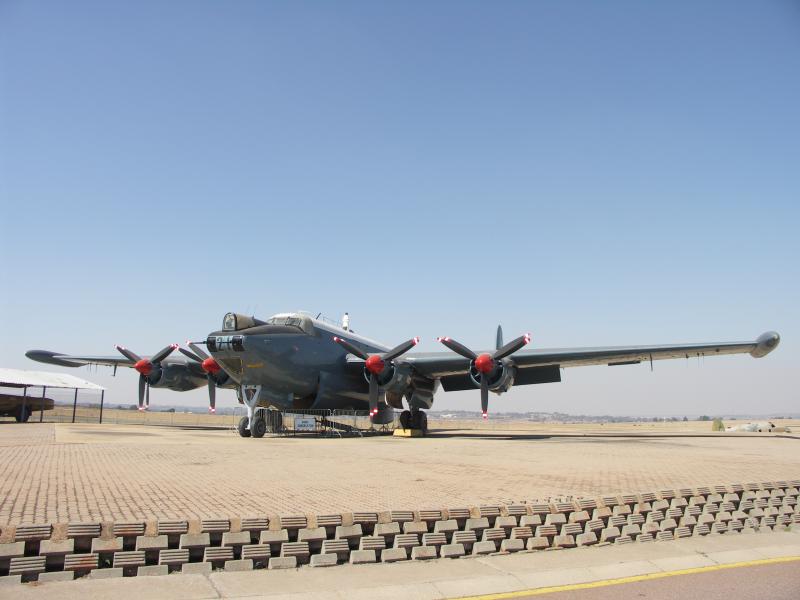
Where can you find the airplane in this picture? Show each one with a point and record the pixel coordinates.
(296, 361)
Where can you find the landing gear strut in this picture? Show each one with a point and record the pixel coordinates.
(414, 419)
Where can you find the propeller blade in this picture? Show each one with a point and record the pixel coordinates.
(142, 384)
(458, 348)
(499, 339)
(163, 353)
(373, 395)
(190, 355)
(128, 354)
(400, 349)
(351, 348)
(197, 350)
(147, 396)
(512, 346)
(212, 394)
(485, 396)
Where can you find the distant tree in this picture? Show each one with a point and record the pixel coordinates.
(718, 425)
(685, 419)
(704, 418)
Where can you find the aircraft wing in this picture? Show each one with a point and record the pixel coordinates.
(446, 364)
(72, 360)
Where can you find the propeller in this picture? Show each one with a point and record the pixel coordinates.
(375, 365)
(148, 369)
(486, 363)
(212, 370)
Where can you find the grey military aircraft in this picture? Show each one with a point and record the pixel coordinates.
(296, 361)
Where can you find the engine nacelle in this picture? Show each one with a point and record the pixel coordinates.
(394, 378)
(500, 380)
(174, 377)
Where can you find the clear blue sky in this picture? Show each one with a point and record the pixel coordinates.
(595, 173)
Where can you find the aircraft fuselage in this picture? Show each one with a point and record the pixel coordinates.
(296, 367)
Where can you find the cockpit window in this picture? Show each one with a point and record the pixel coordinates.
(300, 322)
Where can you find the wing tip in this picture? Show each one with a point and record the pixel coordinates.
(53, 358)
(765, 343)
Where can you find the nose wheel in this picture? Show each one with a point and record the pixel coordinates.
(414, 419)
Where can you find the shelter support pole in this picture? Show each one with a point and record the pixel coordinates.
(102, 397)
(74, 404)
(24, 404)
(41, 408)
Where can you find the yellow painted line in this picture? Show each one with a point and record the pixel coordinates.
(632, 579)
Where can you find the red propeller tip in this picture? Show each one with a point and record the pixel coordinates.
(416, 341)
(212, 410)
(442, 339)
(528, 338)
(336, 338)
(485, 415)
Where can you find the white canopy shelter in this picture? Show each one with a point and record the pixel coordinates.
(24, 379)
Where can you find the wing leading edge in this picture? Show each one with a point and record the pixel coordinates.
(69, 360)
(443, 364)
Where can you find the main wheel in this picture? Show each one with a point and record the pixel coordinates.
(258, 428)
(242, 427)
(421, 421)
(405, 419)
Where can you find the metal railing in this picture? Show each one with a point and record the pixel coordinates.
(322, 422)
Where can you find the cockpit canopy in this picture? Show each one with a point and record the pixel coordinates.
(299, 321)
(235, 322)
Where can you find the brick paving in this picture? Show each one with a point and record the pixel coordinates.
(60, 472)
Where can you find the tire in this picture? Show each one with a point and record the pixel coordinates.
(405, 419)
(242, 427)
(421, 422)
(259, 428)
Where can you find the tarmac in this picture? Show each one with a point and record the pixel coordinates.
(58, 473)
(55, 473)
(726, 566)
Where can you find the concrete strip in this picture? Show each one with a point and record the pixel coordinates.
(626, 569)
(420, 591)
(778, 551)
(56, 576)
(200, 568)
(554, 577)
(679, 563)
(188, 587)
(474, 586)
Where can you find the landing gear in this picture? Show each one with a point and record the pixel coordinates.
(242, 427)
(259, 427)
(23, 414)
(416, 419)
